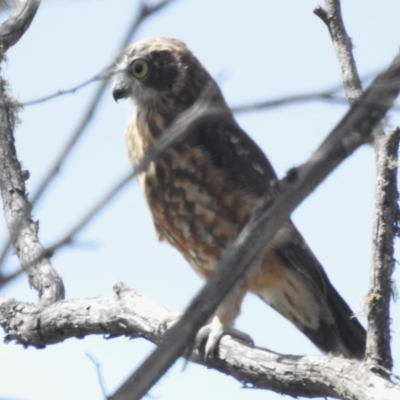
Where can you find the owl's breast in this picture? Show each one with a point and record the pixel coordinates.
(192, 207)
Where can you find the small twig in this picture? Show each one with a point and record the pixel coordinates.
(283, 101)
(99, 375)
(326, 95)
(353, 130)
(329, 95)
(23, 230)
(385, 228)
(387, 372)
(100, 76)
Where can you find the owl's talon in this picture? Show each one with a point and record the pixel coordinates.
(213, 333)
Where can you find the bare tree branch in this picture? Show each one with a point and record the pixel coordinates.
(23, 230)
(330, 95)
(386, 197)
(332, 17)
(17, 23)
(385, 228)
(327, 95)
(100, 76)
(354, 130)
(135, 316)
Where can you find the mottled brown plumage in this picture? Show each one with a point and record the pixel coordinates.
(203, 190)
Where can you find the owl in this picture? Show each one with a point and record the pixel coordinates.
(204, 189)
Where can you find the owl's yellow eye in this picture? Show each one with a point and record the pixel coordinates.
(139, 68)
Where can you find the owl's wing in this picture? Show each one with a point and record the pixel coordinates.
(247, 170)
(231, 151)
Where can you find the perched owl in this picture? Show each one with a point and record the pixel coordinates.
(203, 190)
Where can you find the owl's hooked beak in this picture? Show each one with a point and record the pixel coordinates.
(120, 92)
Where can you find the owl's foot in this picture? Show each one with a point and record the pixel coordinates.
(212, 334)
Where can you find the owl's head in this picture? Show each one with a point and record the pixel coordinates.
(159, 71)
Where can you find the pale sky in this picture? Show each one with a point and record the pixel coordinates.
(263, 49)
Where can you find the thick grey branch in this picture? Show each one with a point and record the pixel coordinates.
(17, 23)
(385, 227)
(23, 230)
(354, 130)
(128, 313)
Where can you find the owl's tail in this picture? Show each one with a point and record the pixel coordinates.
(349, 333)
(329, 323)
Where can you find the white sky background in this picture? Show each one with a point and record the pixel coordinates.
(264, 49)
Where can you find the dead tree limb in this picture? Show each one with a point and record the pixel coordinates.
(385, 228)
(17, 208)
(127, 313)
(386, 216)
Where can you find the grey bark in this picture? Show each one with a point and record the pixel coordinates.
(130, 314)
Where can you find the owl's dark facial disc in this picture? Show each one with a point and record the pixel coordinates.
(163, 70)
